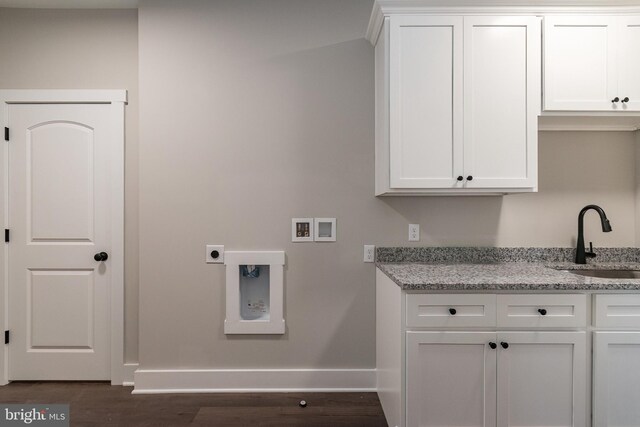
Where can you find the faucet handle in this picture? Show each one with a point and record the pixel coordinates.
(590, 254)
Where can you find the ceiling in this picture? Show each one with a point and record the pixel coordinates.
(71, 4)
(133, 4)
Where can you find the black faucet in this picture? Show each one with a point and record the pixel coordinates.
(581, 255)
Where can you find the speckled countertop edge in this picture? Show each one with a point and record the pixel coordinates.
(475, 254)
(504, 276)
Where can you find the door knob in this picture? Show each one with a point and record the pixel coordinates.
(504, 345)
(626, 99)
(616, 99)
(470, 178)
(102, 256)
(493, 345)
(542, 311)
(460, 178)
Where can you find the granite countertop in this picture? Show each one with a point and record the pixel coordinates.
(488, 269)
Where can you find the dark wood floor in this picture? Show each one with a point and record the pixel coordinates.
(99, 404)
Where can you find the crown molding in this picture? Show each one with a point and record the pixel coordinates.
(385, 8)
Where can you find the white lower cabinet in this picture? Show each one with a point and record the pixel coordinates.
(507, 359)
(451, 379)
(616, 360)
(542, 379)
(616, 379)
(496, 379)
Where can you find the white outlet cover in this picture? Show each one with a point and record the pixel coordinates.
(369, 253)
(209, 259)
(414, 232)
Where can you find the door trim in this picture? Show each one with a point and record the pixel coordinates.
(117, 99)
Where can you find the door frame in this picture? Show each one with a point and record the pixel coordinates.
(117, 99)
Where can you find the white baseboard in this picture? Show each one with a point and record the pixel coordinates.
(129, 371)
(151, 381)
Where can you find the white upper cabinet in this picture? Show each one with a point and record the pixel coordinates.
(501, 101)
(592, 63)
(426, 101)
(457, 100)
(629, 61)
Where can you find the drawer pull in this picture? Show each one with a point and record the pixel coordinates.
(504, 345)
(493, 345)
(542, 311)
(452, 311)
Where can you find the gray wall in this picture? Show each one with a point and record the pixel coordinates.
(637, 180)
(83, 49)
(254, 112)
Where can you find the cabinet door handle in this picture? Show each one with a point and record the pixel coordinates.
(460, 178)
(452, 311)
(616, 99)
(493, 345)
(470, 178)
(504, 345)
(626, 99)
(542, 311)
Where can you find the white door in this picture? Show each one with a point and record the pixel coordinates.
(616, 379)
(580, 63)
(59, 216)
(501, 101)
(542, 379)
(425, 101)
(629, 62)
(451, 379)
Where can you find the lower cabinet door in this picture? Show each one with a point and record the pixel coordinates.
(616, 379)
(451, 379)
(541, 379)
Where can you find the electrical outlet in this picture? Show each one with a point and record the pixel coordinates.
(369, 253)
(214, 254)
(414, 232)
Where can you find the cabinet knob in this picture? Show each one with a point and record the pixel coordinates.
(616, 99)
(504, 345)
(542, 311)
(493, 345)
(470, 178)
(460, 178)
(626, 99)
(452, 311)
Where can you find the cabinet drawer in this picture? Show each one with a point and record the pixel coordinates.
(617, 311)
(451, 310)
(542, 311)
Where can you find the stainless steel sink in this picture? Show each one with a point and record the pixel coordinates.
(607, 274)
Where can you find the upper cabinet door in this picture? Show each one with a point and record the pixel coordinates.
(501, 101)
(629, 62)
(425, 101)
(580, 70)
